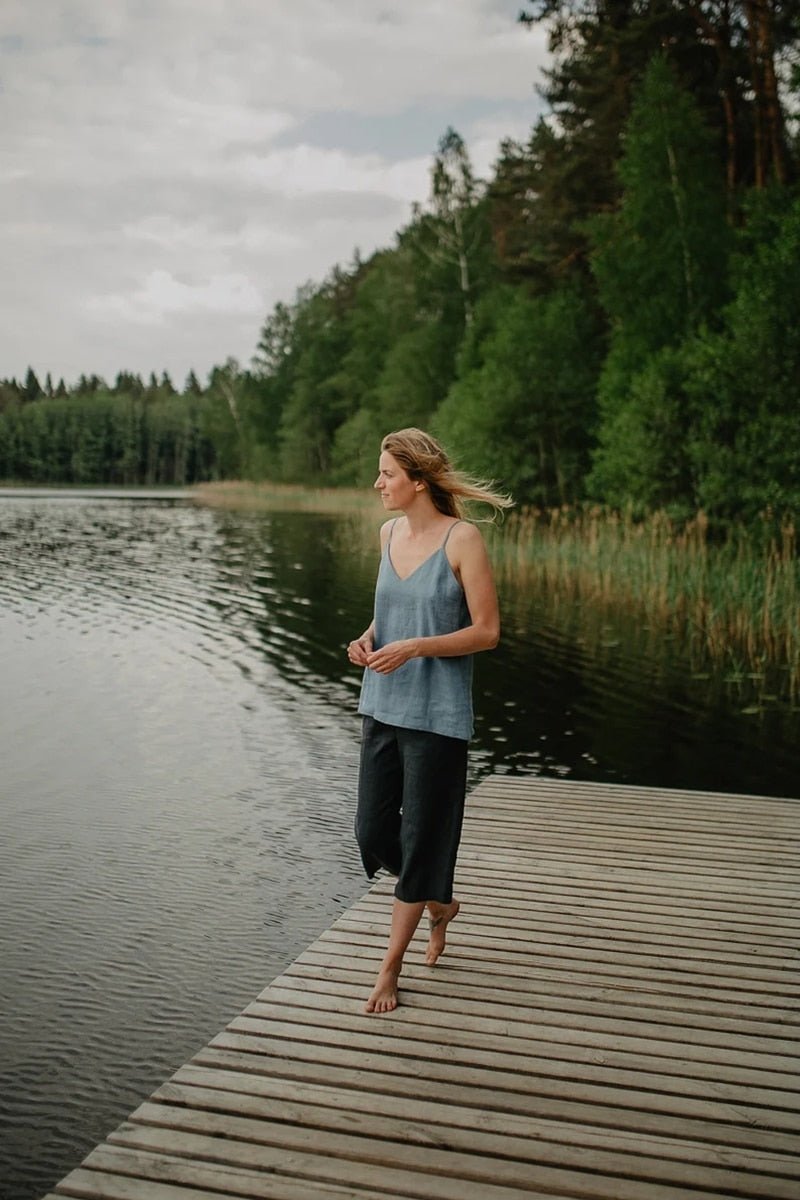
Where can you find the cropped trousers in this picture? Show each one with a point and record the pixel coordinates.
(411, 788)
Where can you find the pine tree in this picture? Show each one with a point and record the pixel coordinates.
(660, 263)
(450, 231)
(744, 380)
(192, 385)
(31, 389)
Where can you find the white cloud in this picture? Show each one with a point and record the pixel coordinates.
(168, 234)
(158, 184)
(161, 294)
(303, 169)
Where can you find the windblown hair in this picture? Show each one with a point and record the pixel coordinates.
(423, 458)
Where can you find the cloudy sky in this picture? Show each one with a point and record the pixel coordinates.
(172, 168)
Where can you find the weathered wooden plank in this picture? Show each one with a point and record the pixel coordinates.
(539, 949)
(574, 1026)
(575, 879)
(618, 963)
(612, 895)
(528, 910)
(775, 1086)
(226, 1180)
(450, 1165)
(423, 986)
(720, 1127)
(553, 914)
(683, 843)
(254, 1151)
(771, 1108)
(620, 816)
(511, 977)
(417, 1138)
(627, 876)
(608, 836)
(776, 1151)
(587, 793)
(550, 902)
(533, 935)
(742, 865)
(106, 1185)
(757, 816)
(523, 1038)
(425, 1002)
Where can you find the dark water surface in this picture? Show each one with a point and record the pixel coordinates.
(178, 746)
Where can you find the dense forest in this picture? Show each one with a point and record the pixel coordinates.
(613, 316)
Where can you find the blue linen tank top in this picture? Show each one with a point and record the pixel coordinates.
(434, 694)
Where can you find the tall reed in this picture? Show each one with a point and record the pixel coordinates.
(735, 599)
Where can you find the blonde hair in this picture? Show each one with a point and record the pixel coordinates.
(423, 458)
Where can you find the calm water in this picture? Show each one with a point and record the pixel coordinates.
(178, 740)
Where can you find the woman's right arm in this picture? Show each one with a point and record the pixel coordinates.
(358, 650)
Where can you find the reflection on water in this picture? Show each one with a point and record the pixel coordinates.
(179, 742)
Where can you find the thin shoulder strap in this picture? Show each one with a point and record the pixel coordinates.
(450, 530)
(391, 531)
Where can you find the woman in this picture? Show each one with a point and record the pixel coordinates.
(435, 606)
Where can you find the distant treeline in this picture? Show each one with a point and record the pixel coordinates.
(130, 432)
(614, 315)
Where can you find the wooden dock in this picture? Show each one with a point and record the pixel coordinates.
(616, 1016)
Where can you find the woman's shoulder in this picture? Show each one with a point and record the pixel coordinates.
(464, 533)
(386, 530)
(464, 545)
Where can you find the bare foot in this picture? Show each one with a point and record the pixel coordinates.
(440, 917)
(384, 997)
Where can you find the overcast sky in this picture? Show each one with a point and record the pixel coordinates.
(172, 168)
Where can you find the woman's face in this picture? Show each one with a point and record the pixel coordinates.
(397, 489)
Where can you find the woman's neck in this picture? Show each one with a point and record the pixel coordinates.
(423, 516)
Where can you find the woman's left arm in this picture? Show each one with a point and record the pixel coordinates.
(470, 561)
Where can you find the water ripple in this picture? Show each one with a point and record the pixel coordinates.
(174, 832)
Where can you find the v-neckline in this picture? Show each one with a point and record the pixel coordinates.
(425, 561)
(418, 567)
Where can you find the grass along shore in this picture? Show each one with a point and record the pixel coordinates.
(734, 603)
(269, 497)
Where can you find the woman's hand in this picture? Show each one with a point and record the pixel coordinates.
(359, 651)
(392, 655)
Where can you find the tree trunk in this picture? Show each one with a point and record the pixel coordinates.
(731, 141)
(770, 153)
(463, 268)
(719, 35)
(680, 212)
(773, 114)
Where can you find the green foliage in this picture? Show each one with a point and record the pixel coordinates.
(523, 408)
(744, 382)
(318, 399)
(660, 262)
(96, 436)
(544, 191)
(643, 450)
(452, 232)
(660, 259)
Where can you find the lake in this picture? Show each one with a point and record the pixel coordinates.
(179, 741)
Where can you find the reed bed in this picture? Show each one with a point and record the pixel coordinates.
(733, 602)
(735, 599)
